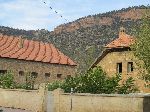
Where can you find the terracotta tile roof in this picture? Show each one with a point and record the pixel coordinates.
(23, 49)
(124, 40)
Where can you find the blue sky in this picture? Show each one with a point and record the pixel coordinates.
(34, 14)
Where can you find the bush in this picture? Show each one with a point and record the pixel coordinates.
(7, 80)
(54, 85)
(97, 82)
(127, 87)
(94, 81)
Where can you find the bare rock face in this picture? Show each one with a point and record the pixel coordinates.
(132, 14)
(84, 23)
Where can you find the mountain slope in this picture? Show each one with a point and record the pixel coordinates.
(83, 39)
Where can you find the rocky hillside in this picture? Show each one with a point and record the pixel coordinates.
(83, 39)
(108, 18)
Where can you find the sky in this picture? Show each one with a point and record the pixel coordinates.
(35, 14)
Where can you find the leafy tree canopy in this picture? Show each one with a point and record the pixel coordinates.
(141, 47)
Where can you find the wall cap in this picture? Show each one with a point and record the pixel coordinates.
(136, 95)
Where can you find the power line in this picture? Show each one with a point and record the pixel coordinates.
(61, 16)
(56, 12)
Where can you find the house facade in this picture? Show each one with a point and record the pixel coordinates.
(42, 60)
(119, 58)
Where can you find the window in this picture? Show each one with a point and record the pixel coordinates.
(68, 76)
(130, 67)
(3, 71)
(119, 67)
(59, 75)
(47, 75)
(34, 74)
(21, 73)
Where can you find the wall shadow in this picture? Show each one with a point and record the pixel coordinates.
(146, 104)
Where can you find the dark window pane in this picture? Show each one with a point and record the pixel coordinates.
(21, 73)
(47, 75)
(68, 76)
(130, 67)
(59, 75)
(3, 71)
(119, 67)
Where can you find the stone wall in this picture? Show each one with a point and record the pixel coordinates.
(100, 103)
(109, 65)
(109, 62)
(33, 100)
(39, 67)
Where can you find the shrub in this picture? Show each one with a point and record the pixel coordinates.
(54, 85)
(127, 87)
(7, 80)
(95, 81)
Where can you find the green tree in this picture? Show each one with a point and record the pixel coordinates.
(141, 47)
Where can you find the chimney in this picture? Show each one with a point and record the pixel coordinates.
(121, 32)
(20, 42)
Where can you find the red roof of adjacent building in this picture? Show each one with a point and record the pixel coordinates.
(124, 40)
(23, 49)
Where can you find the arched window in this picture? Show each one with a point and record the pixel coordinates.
(3, 71)
(47, 75)
(34, 74)
(21, 73)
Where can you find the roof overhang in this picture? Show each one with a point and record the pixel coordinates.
(106, 51)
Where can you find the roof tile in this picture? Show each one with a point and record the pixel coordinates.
(10, 48)
(18, 48)
(35, 51)
(41, 54)
(3, 41)
(48, 54)
(124, 40)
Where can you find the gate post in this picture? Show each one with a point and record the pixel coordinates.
(43, 93)
(57, 94)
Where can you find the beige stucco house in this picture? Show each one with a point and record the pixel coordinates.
(118, 57)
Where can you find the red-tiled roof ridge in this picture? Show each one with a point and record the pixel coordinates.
(29, 50)
(124, 40)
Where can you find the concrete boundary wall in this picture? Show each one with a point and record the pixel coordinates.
(33, 100)
(100, 103)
